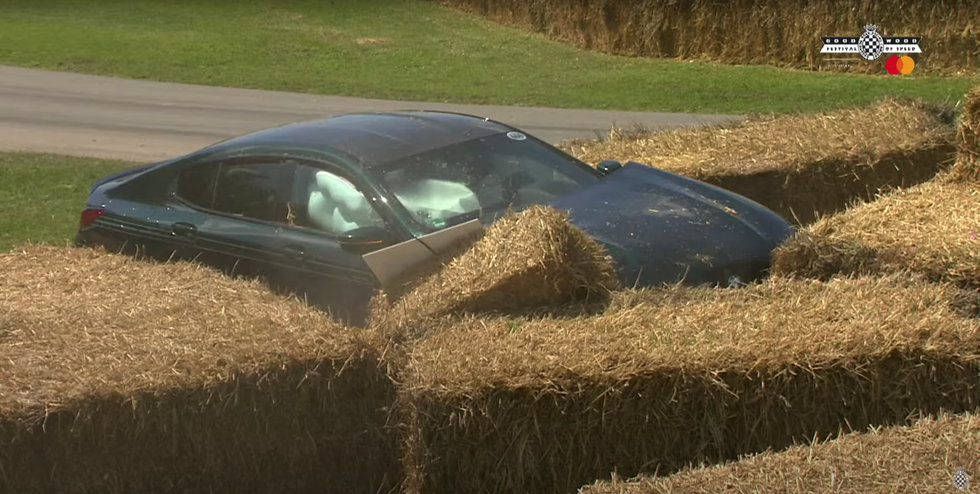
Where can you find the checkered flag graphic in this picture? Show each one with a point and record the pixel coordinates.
(870, 44)
(960, 479)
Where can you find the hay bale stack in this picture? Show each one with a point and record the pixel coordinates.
(919, 458)
(664, 378)
(800, 166)
(525, 261)
(932, 229)
(967, 167)
(745, 32)
(120, 376)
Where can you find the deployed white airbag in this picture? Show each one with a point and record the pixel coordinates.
(433, 200)
(336, 206)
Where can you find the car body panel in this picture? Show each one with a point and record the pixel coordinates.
(166, 227)
(659, 227)
(665, 230)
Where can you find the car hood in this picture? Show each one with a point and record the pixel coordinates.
(664, 228)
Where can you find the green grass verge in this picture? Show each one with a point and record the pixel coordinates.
(42, 195)
(403, 49)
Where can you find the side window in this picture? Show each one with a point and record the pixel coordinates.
(260, 191)
(195, 184)
(331, 203)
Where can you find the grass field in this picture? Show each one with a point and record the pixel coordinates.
(44, 194)
(403, 49)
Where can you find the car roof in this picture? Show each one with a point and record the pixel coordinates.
(373, 138)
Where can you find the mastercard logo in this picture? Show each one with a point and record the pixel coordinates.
(899, 65)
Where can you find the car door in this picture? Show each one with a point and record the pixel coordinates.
(189, 205)
(328, 204)
(250, 208)
(230, 216)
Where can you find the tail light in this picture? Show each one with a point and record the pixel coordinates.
(89, 215)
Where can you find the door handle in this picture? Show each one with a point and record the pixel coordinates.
(183, 229)
(294, 251)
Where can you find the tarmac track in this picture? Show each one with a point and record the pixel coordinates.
(138, 120)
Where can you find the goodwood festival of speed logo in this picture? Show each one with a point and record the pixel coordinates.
(960, 479)
(871, 45)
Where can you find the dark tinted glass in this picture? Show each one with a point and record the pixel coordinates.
(195, 184)
(330, 203)
(259, 191)
(486, 175)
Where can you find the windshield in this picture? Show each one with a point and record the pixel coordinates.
(483, 176)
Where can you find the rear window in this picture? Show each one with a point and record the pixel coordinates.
(195, 184)
(259, 190)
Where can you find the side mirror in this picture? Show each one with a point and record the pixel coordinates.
(366, 239)
(608, 166)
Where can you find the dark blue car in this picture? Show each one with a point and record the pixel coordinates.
(301, 204)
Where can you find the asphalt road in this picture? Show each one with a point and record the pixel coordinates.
(145, 121)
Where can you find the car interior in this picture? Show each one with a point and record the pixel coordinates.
(431, 201)
(333, 204)
(436, 191)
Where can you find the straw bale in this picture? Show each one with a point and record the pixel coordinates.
(967, 167)
(666, 378)
(126, 376)
(932, 229)
(526, 261)
(801, 166)
(920, 458)
(746, 32)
